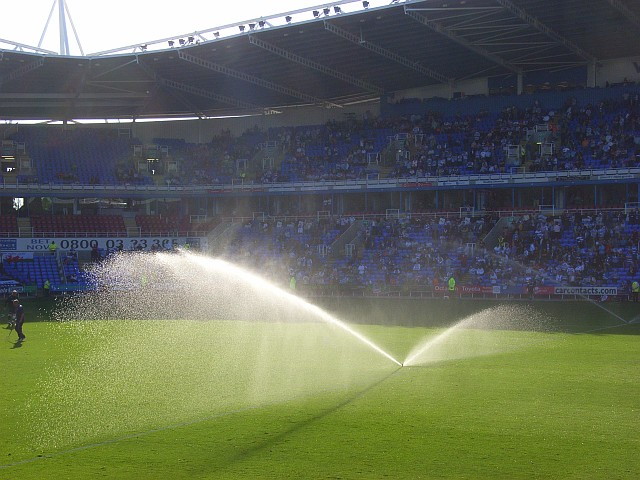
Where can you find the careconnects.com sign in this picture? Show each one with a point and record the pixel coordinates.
(586, 290)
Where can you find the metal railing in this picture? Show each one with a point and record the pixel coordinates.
(240, 185)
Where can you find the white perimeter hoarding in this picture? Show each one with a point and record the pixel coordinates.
(8, 245)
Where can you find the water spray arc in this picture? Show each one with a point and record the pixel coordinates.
(277, 292)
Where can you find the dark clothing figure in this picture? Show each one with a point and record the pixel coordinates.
(19, 320)
(9, 301)
(11, 307)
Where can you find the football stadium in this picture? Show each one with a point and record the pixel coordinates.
(357, 240)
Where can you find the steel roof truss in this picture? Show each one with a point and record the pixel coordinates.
(508, 36)
(314, 65)
(439, 28)
(22, 70)
(252, 79)
(535, 23)
(147, 102)
(359, 40)
(117, 67)
(206, 94)
(183, 87)
(175, 93)
(469, 17)
(475, 21)
(541, 57)
(523, 49)
(622, 8)
(475, 74)
(498, 35)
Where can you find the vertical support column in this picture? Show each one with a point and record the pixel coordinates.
(520, 82)
(592, 74)
(481, 199)
(559, 197)
(62, 24)
(626, 193)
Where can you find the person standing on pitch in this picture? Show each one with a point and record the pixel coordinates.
(19, 319)
(11, 310)
(635, 291)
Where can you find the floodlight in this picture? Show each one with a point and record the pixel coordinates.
(326, 11)
(365, 4)
(288, 18)
(190, 39)
(252, 26)
(143, 48)
(216, 34)
(181, 41)
(261, 23)
(241, 27)
(316, 13)
(171, 42)
(337, 9)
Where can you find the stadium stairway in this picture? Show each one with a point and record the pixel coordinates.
(351, 235)
(25, 229)
(491, 238)
(222, 235)
(133, 230)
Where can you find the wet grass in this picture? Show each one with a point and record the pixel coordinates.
(561, 405)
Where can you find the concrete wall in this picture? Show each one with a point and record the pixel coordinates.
(474, 86)
(617, 70)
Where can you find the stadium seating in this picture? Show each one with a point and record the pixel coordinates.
(36, 271)
(8, 225)
(171, 225)
(592, 128)
(86, 156)
(79, 225)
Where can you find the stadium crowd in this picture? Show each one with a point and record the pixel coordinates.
(600, 134)
(597, 248)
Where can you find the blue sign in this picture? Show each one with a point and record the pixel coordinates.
(8, 244)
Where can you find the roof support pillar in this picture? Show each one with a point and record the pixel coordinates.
(520, 82)
(592, 74)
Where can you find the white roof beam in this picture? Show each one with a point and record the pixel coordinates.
(314, 65)
(22, 70)
(252, 79)
(538, 25)
(439, 28)
(412, 64)
(622, 8)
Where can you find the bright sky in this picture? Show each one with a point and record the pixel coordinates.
(108, 24)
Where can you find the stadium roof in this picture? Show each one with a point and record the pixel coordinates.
(331, 59)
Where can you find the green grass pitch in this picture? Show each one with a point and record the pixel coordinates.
(183, 399)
